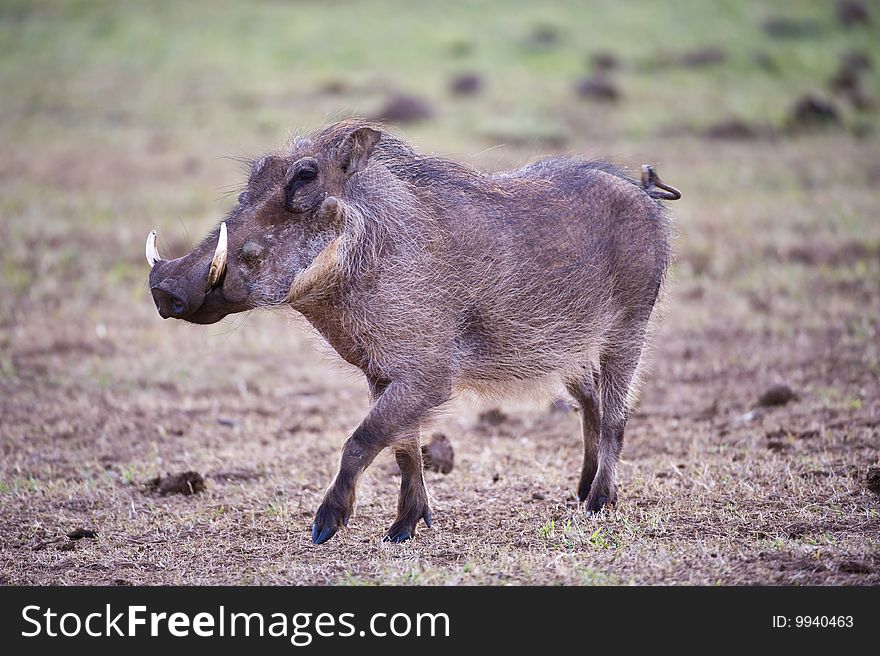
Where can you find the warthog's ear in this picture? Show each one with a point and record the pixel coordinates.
(355, 151)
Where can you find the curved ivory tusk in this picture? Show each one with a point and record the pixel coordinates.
(152, 252)
(218, 264)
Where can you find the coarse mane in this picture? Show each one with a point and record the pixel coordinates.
(399, 158)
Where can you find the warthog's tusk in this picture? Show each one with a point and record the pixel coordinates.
(152, 252)
(218, 264)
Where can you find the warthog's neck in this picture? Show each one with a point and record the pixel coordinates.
(333, 320)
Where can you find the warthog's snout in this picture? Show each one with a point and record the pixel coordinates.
(169, 303)
(190, 287)
(178, 287)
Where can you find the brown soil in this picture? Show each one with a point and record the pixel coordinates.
(598, 87)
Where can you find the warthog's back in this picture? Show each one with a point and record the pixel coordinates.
(503, 278)
(555, 260)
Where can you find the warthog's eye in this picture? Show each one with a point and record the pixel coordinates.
(299, 192)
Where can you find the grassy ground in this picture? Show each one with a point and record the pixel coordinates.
(121, 117)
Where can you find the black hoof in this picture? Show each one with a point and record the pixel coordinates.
(321, 535)
(596, 505)
(327, 522)
(398, 536)
(402, 531)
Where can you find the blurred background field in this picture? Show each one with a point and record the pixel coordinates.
(118, 117)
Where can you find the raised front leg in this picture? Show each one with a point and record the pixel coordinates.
(395, 414)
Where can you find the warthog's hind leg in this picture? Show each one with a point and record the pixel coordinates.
(586, 393)
(616, 371)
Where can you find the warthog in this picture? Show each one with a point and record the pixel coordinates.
(432, 278)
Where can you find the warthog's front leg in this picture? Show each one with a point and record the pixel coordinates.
(412, 504)
(396, 413)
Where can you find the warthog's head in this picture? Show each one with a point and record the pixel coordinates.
(282, 243)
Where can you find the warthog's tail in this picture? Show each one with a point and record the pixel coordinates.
(655, 187)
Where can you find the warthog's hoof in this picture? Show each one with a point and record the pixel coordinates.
(596, 506)
(398, 535)
(321, 535)
(596, 503)
(405, 529)
(327, 521)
